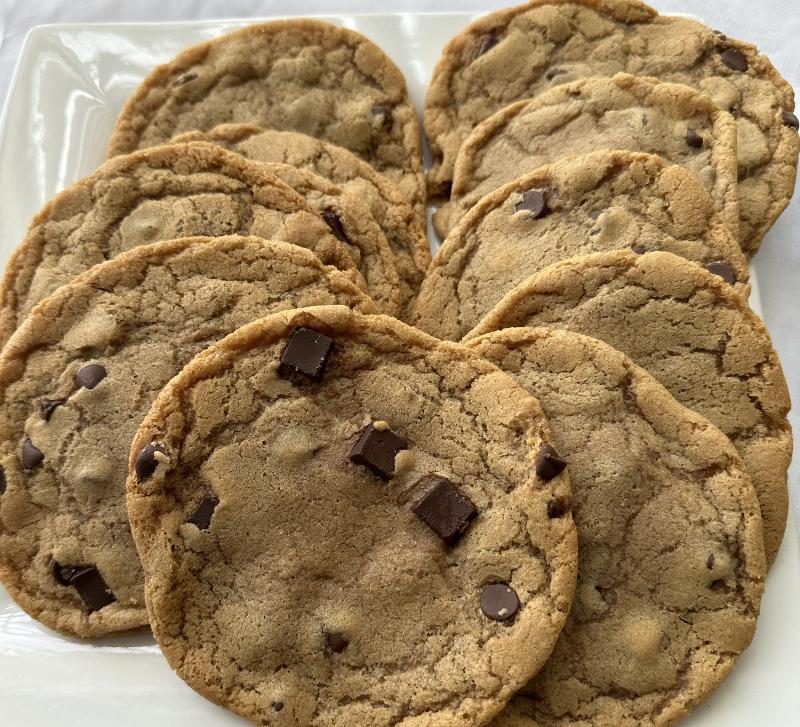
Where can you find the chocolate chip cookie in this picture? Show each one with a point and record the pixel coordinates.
(624, 112)
(344, 521)
(671, 555)
(76, 380)
(603, 201)
(404, 232)
(156, 194)
(693, 332)
(517, 53)
(294, 75)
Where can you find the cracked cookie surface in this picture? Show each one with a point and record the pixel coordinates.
(603, 201)
(691, 331)
(156, 194)
(517, 53)
(293, 75)
(671, 555)
(76, 380)
(318, 592)
(404, 231)
(624, 112)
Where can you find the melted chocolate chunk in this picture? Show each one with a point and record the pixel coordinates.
(694, 139)
(336, 642)
(335, 224)
(444, 508)
(553, 73)
(62, 573)
(203, 512)
(32, 456)
(548, 463)
(48, 406)
(499, 602)
(790, 120)
(306, 354)
(488, 42)
(376, 450)
(725, 271)
(277, 706)
(734, 59)
(557, 508)
(90, 376)
(146, 461)
(3, 484)
(92, 588)
(533, 201)
(382, 118)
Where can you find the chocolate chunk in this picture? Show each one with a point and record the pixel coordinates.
(553, 73)
(32, 456)
(548, 463)
(694, 139)
(725, 271)
(734, 59)
(90, 376)
(203, 512)
(376, 450)
(184, 78)
(381, 118)
(499, 602)
(63, 573)
(277, 706)
(534, 202)
(444, 508)
(335, 224)
(48, 406)
(557, 508)
(790, 120)
(638, 249)
(710, 561)
(336, 642)
(305, 354)
(92, 588)
(146, 461)
(3, 484)
(488, 42)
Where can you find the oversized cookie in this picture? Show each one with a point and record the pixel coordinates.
(602, 201)
(624, 112)
(671, 555)
(517, 53)
(156, 194)
(344, 521)
(76, 380)
(293, 75)
(404, 232)
(689, 329)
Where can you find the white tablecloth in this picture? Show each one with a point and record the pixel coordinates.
(774, 25)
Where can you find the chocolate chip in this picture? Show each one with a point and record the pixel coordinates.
(63, 574)
(32, 456)
(48, 406)
(306, 354)
(90, 376)
(335, 224)
(734, 59)
(553, 73)
(203, 512)
(638, 249)
(488, 42)
(557, 508)
(444, 508)
(376, 450)
(548, 463)
(3, 484)
(381, 118)
(790, 120)
(499, 602)
(92, 588)
(146, 461)
(184, 78)
(725, 271)
(694, 139)
(336, 642)
(710, 561)
(277, 706)
(532, 201)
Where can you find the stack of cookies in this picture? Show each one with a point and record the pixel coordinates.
(535, 481)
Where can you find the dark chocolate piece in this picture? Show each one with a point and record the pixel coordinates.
(305, 354)
(444, 508)
(499, 602)
(694, 139)
(146, 461)
(534, 202)
(376, 450)
(548, 463)
(203, 512)
(335, 224)
(90, 376)
(32, 456)
(725, 271)
(48, 406)
(734, 59)
(790, 120)
(336, 642)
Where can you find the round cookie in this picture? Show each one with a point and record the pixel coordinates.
(689, 329)
(624, 112)
(404, 232)
(293, 75)
(517, 53)
(375, 546)
(76, 380)
(671, 555)
(602, 201)
(156, 194)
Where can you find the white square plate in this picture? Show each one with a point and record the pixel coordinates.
(69, 85)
